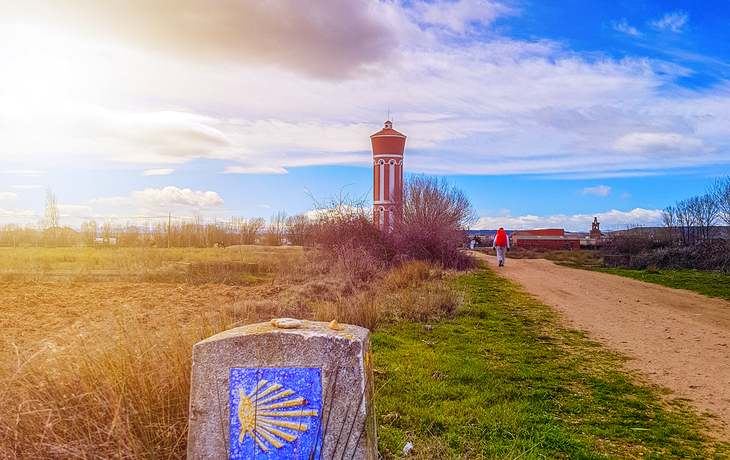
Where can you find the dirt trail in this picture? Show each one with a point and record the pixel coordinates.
(678, 339)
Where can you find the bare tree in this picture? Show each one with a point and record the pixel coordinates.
(705, 215)
(685, 221)
(299, 230)
(430, 203)
(246, 230)
(669, 220)
(131, 234)
(720, 192)
(436, 217)
(275, 231)
(51, 216)
(89, 231)
(10, 234)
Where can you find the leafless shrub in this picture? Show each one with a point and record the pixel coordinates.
(435, 220)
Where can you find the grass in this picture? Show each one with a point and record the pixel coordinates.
(706, 283)
(503, 380)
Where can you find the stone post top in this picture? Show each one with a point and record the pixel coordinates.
(306, 329)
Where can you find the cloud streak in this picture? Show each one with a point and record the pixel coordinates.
(624, 27)
(673, 22)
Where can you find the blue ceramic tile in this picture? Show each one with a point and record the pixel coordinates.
(275, 413)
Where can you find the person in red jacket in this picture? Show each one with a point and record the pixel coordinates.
(501, 245)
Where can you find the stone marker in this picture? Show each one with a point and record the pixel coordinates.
(288, 389)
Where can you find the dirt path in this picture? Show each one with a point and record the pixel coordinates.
(678, 339)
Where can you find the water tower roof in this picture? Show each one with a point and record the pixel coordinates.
(388, 131)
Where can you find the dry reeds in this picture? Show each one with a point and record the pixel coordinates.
(101, 370)
(126, 398)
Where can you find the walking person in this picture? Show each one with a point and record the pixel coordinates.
(501, 245)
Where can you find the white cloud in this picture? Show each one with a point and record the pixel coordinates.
(261, 169)
(626, 195)
(488, 106)
(77, 211)
(660, 144)
(158, 172)
(601, 190)
(26, 187)
(319, 37)
(458, 16)
(8, 196)
(612, 220)
(24, 172)
(79, 128)
(113, 201)
(673, 22)
(624, 27)
(152, 202)
(17, 215)
(173, 196)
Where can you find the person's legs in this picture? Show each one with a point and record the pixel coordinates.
(501, 250)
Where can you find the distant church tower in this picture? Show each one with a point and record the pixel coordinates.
(388, 148)
(595, 229)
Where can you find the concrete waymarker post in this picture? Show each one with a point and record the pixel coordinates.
(288, 389)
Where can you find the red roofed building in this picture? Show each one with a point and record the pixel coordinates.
(549, 239)
(388, 147)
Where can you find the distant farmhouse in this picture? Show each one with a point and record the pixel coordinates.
(550, 239)
(60, 237)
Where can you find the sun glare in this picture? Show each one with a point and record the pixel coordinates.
(36, 77)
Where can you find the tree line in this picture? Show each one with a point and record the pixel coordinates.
(435, 216)
(163, 232)
(696, 219)
(695, 234)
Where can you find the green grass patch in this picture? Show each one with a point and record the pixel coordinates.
(504, 380)
(706, 283)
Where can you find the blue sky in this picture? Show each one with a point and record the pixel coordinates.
(546, 113)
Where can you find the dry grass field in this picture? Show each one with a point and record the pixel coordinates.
(101, 370)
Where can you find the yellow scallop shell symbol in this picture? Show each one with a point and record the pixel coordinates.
(263, 415)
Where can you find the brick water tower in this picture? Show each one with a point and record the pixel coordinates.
(388, 148)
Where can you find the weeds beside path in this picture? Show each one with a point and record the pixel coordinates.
(505, 380)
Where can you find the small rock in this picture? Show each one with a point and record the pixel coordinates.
(334, 325)
(408, 449)
(286, 323)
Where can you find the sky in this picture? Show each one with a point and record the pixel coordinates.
(547, 113)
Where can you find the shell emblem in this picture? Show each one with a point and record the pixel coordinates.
(272, 412)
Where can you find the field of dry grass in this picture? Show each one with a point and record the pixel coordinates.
(135, 264)
(101, 370)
